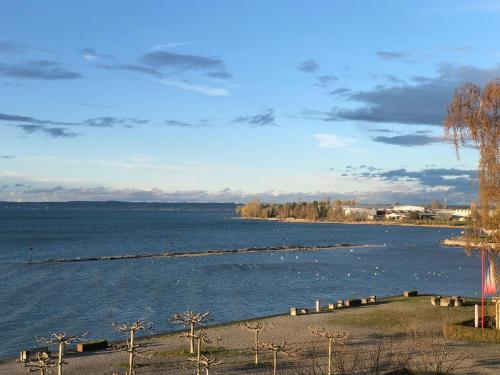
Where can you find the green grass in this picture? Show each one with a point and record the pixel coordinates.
(465, 331)
(402, 314)
(185, 353)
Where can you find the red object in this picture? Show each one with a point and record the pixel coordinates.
(489, 281)
(482, 288)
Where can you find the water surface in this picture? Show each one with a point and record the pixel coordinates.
(36, 300)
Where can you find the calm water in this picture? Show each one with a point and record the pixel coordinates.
(36, 300)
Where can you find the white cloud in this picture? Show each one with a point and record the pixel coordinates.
(333, 141)
(202, 89)
(170, 45)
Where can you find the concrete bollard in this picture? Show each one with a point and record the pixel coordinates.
(331, 306)
(476, 315)
(318, 306)
(293, 311)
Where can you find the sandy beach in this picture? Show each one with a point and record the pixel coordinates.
(403, 331)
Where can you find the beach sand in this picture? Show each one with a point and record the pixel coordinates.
(398, 324)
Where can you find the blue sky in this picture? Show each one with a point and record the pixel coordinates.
(229, 100)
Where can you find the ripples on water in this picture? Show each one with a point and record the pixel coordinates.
(36, 300)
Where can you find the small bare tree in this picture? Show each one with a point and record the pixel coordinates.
(333, 338)
(130, 329)
(278, 348)
(206, 362)
(209, 362)
(43, 363)
(256, 328)
(61, 340)
(190, 319)
(201, 338)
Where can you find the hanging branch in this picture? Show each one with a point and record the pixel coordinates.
(278, 348)
(131, 347)
(190, 319)
(474, 115)
(256, 328)
(61, 340)
(333, 338)
(43, 363)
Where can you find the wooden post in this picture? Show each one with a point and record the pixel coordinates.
(476, 316)
(497, 314)
(318, 306)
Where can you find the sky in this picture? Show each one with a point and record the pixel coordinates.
(226, 101)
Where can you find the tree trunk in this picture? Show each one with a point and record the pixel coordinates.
(60, 359)
(275, 362)
(198, 367)
(131, 354)
(330, 357)
(191, 340)
(256, 347)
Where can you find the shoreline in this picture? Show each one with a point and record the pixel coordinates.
(382, 223)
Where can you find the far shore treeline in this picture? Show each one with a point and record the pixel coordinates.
(327, 210)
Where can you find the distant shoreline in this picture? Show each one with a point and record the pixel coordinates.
(400, 224)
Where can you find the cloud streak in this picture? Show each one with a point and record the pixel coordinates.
(409, 140)
(181, 62)
(52, 132)
(201, 89)
(265, 118)
(392, 55)
(308, 66)
(39, 69)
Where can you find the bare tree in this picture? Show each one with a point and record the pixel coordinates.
(201, 338)
(474, 115)
(278, 348)
(256, 328)
(206, 362)
(43, 363)
(190, 319)
(333, 338)
(61, 340)
(131, 347)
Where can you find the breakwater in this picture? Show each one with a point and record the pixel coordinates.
(185, 254)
